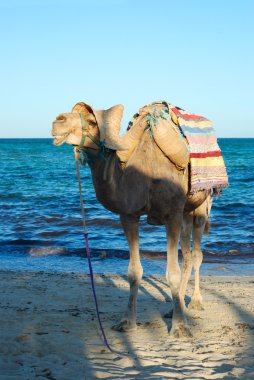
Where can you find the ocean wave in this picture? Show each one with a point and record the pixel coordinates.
(53, 233)
(47, 251)
(211, 254)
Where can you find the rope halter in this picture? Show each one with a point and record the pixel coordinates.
(88, 156)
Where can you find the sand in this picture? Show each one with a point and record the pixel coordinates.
(49, 329)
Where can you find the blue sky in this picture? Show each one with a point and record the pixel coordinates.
(198, 55)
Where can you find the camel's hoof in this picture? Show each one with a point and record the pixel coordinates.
(124, 325)
(180, 331)
(196, 305)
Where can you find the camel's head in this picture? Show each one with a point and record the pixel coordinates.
(67, 128)
(84, 126)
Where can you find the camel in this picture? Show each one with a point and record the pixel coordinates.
(133, 177)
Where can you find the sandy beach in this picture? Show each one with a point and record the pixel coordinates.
(49, 329)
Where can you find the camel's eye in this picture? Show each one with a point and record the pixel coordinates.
(92, 124)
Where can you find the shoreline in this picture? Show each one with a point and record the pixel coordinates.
(54, 261)
(50, 329)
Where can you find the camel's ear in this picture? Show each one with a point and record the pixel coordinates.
(109, 123)
(82, 107)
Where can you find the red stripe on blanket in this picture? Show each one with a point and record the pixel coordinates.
(186, 115)
(216, 153)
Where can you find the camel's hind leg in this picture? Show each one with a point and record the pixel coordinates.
(186, 252)
(135, 271)
(201, 215)
(173, 275)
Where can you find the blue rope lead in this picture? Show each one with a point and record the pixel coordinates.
(104, 338)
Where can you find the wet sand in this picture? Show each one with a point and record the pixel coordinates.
(49, 329)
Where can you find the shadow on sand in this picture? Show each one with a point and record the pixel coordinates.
(50, 330)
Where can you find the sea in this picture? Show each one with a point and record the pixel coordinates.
(41, 226)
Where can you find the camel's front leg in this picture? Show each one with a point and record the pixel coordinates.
(131, 229)
(173, 275)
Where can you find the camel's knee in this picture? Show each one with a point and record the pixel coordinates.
(135, 273)
(187, 261)
(174, 278)
(197, 258)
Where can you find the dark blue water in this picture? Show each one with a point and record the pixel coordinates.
(40, 214)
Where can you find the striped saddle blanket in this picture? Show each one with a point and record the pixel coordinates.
(207, 167)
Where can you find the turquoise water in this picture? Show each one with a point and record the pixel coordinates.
(41, 222)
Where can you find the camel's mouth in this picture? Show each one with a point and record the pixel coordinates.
(59, 140)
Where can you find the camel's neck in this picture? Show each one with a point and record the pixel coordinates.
(106, 174)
